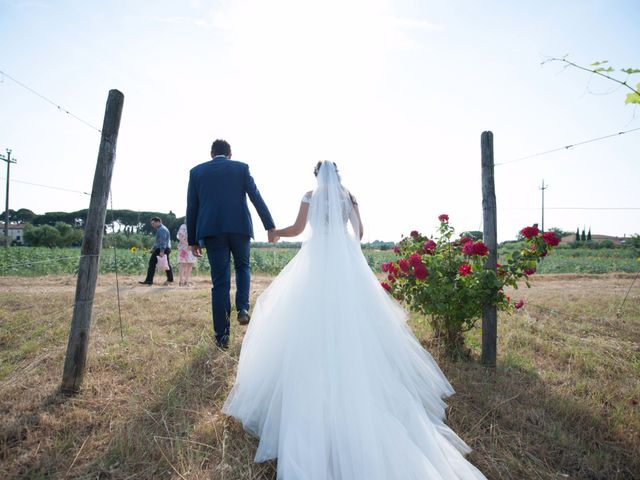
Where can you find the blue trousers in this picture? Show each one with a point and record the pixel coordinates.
(219, 251)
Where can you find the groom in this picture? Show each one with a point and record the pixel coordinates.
(218, 217)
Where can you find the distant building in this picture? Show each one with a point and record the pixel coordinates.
(16, 233)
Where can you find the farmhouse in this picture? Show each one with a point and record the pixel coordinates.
(16, 233)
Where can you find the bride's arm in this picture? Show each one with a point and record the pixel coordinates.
(358, 220)
(298, 227)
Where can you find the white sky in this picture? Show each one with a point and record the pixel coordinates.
(396, 92)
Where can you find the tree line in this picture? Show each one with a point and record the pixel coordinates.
(60, 229)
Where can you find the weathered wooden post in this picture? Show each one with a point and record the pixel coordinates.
(490, 237)
(75, 360)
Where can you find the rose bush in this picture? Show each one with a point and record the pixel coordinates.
(445, 278)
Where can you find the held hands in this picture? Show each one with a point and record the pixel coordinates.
(273, 238)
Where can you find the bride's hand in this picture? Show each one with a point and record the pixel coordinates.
(273, 238)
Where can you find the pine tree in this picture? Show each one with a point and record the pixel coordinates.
(583, 237)
(578, 234)
(589, 235)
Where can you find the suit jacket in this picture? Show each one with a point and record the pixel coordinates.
(217, 200)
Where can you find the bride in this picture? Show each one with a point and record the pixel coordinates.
(330, 377)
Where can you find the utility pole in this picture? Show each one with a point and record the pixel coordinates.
(6, 208)
(543, 188)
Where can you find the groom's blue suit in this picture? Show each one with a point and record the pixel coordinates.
(218, 217)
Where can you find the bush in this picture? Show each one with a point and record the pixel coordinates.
(446, 279)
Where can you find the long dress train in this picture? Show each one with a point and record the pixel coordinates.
(332, 380)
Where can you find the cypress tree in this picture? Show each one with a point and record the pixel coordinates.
(589, 235)
(583, 237)
(578, 234)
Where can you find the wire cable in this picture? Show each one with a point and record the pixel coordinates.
(46, 186)
(566, 147)
(61, 109)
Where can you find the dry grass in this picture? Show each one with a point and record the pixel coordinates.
(562, 403)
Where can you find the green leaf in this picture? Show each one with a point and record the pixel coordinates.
(630, 71)
(602, 69)
(595, 64)
(632, 97)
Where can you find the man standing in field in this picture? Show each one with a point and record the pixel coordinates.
(218, 217)
(161, 247)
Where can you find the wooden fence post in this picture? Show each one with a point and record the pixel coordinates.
(490, 237)
(75, 360)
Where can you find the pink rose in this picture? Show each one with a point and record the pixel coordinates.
(480, 249)
(404, 265)
(415, 259)
(529, 232)
(429, 246)
(519, 304)
(420, 271)
(465, 269)
(551, 238)
(467, 248)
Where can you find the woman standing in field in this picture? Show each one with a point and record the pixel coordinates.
(330, 377)
(186, 259)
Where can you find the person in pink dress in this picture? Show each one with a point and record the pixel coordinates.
(186, 258)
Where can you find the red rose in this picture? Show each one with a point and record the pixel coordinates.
(519, 304)
(414, 233)
(464, 240)
(385, 266)
(403, 264)
(543, 254)
(420, 271)
(529, 232)
(415, 259)
(429, 246)
(551, 238)
(467, 248)
(529, 271)
(443, 218)
(465, 269)
(391, 278)
(507, 297)
(386, 286)
(480, 249)
(393, 268)
(396, 249)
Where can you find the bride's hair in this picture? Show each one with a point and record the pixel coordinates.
(317, 169)
(319, 164)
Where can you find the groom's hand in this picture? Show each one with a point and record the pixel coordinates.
(196, 250)
(272, 236)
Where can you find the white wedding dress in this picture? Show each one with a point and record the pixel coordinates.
(330, 377)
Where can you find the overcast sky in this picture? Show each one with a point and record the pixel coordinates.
(397, 93)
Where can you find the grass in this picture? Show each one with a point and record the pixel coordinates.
(562, 402)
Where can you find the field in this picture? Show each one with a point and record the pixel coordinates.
(27, 261)
(563, 401)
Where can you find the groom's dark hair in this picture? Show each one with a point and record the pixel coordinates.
(220, 147)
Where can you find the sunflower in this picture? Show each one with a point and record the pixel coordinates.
(133, 249)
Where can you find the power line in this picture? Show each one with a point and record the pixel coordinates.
(566, 147)
(48, 186)
(572, 208)
(61, 109)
